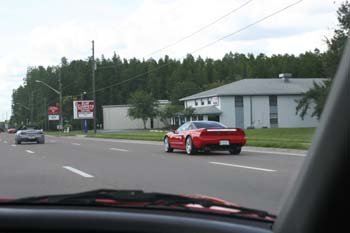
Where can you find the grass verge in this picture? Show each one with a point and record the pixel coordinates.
(292, 138)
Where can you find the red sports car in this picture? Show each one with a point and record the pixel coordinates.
(196, 136)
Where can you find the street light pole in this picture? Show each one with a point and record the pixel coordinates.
(93, 83)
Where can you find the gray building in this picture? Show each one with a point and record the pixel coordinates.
(115, 117)
(253, 103)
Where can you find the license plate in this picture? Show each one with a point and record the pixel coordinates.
(224, 143)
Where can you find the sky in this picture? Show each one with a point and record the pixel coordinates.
(41, 32)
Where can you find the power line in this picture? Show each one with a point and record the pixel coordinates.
(207, 45)
(248, 26)
(200, 29)
(193, 33)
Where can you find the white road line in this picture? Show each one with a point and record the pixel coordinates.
(30, 152)
(117, 149)
(5, 142)
(83, 174)
(14, 145)
(76, 144)
(274, 152)
(247, 167)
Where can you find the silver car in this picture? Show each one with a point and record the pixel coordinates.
(29, 134)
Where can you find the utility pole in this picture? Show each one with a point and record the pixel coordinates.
(31, 108)
(60, 94)
(93, 83)
(44, 115)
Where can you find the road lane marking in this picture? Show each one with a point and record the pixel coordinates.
(274, 152)
(117, 149)
(76, 144)
(83, 174)
(13, 145)
(5, 142)
(30, 152)
(241, 166)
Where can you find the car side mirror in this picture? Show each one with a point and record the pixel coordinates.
(174, 131)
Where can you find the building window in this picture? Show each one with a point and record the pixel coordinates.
(209, 100)
(200, 117)
(214, 118)
(238, 101)
(202, 102)
(273, 111)
(196, 103)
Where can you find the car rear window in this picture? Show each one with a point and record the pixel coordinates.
(209, 125)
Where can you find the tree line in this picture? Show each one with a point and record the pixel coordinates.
(117, 79)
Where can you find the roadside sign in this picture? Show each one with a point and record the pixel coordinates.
(53, 110)
(54, 117)
(53, 113)
(83, 109)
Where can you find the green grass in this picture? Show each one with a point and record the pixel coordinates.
(71, 133)
(142, 135)
(292, 138)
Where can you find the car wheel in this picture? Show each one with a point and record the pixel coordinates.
(190, 150)
(17, 141)
(235, 150)
(167, 146)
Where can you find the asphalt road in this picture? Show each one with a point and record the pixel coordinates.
(256, 179)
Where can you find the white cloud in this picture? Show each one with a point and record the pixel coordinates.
(135, 29)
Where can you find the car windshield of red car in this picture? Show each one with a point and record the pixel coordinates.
(209, 125)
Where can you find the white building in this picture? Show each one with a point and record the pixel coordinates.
(253, 103)
(115, 117)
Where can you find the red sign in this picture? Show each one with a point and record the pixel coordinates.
(83, 109)
(53, 110)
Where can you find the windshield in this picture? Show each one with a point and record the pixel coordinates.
(109, 82)
(209, 125)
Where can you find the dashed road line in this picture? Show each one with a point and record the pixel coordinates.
(76, 144)
(117, 149)
(30, 152)
(274, 152)
(241, 166)
(83, 174)
(14, 145)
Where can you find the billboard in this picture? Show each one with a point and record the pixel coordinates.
(53, 113)
(83, 109)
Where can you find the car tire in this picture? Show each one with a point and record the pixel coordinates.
(190, 149)
(236, 150)
(167, 146)
(17, 141)
(41, 141)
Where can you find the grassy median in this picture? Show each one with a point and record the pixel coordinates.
(293, 138)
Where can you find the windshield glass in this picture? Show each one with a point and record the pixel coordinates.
(209, 125)
(108, 82)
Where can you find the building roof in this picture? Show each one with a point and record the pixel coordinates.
(206, 110)
(160, 102)
(270, 86)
